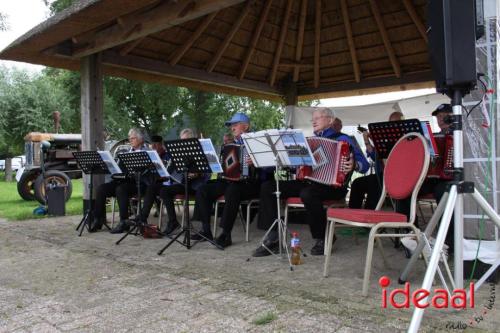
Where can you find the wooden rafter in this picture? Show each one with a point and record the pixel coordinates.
(416, 19)
(179, 53)
(300, 38)
(279, 49)
(229, 37)
(134, 63)
(255, 38)
(385, 37)
(134, 26)
(350, 40)
(317, 42)
(288, 64)
(130, 46)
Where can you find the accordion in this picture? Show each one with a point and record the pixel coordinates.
(329, 156)
(234, 162)
(442, 164)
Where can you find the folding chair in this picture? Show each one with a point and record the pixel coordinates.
(179, 202)
(404, 174)
(245, 222)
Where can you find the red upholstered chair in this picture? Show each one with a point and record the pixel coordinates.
(404, 173)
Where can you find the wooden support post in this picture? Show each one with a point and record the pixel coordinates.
(290, 100)
(91, 107)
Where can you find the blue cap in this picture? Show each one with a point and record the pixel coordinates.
(238, 118)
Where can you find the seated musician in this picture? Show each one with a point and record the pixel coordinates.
(371, 185)
(122, 189)
(312, 194)
(168, 190)
(233, 191)
(337, 125)
(436, 186)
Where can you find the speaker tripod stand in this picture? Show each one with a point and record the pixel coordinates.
(454, 204)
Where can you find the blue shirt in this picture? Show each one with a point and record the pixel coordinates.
(361, 163)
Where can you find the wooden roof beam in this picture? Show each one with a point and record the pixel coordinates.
(157, 67)
(159, 18)
(229, 37)
(350, 40)
(385, 37)
(300, 38)
(255, 38)
(317, 42)
(130, 46)
(179, 53)
(416, 19)
(279, 49)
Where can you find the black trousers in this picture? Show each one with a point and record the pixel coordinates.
(234, 193)
(370, 186)
(167, 194)
(312, 194)
(121, 190)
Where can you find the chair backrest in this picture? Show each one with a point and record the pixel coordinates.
(406, 168)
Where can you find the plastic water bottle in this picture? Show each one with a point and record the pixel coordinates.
(295, 245)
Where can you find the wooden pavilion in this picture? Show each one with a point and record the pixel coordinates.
(286, 50)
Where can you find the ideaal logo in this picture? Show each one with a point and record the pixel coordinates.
(439, 298)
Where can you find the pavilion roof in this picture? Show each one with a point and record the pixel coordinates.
(257, 48)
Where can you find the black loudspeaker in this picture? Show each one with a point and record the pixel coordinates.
(452, 51)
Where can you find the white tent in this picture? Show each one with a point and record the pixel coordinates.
(416, 107)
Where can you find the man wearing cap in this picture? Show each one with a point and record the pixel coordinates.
(441, 112)
(312, 194)
(233, 191)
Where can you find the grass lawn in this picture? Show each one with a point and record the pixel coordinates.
(12, 207)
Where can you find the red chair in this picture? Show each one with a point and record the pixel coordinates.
(404, 173)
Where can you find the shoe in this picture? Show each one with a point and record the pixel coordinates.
(96, 224)
(319, 248)
(206, 235)
(261, 251)
(224, 240)
(121, 227)
(171, 227)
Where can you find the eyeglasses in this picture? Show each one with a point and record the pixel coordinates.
(132, 138)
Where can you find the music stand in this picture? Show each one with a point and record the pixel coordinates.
(187, 156)
(386, 134)
(91, 164)
(139, 163)
(287, 148)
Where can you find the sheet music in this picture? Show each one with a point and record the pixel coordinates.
(211, 154)
(158, 163)
(110, 162)
(291, 147)
(426, 129)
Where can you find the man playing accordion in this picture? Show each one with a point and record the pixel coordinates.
(312, 193)
(234, 191)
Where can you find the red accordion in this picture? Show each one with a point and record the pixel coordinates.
(329, 156)
(234, 162)
(442, 164)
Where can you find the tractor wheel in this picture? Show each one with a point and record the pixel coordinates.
(52, 178)
(26, 185)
